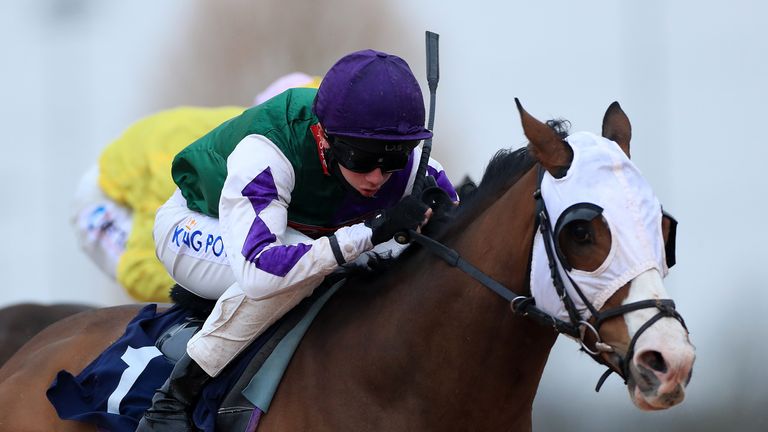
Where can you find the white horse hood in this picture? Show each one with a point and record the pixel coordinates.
(603, 175)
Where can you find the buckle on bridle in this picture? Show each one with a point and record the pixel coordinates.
(583, 327)
(519, 299)
(600, 346)
(666, 308)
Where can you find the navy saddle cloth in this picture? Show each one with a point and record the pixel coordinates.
(117, 387)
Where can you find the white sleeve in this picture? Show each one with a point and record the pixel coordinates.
(253, 213)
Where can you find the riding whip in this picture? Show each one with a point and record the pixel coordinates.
(433, 76)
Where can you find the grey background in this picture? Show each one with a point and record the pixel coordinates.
(691, 76)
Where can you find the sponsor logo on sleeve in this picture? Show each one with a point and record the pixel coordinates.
(198, 240)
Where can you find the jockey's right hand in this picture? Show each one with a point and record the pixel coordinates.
(410, 213)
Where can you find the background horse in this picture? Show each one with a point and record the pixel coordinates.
(19, 322)
(424, 346)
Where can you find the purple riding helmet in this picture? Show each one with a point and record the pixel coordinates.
(371, 95)
(371, 105)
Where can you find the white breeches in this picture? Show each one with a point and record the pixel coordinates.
(190, 246)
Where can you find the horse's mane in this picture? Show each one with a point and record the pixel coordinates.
(505, 168)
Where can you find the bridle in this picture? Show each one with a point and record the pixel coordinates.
(576, 327)
(425, 187)
(665, 307)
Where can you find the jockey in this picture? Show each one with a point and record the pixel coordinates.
(116, 200)
(274, 200)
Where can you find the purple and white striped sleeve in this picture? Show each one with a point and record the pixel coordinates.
(436, 170)
(253, 212)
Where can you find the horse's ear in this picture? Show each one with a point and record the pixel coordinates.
(616, 127)
(554, 154)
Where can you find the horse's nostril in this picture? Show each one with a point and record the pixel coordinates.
(653, 360)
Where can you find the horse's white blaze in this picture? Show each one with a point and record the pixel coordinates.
(666, 337)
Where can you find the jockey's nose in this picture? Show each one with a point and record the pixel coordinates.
(376, 176)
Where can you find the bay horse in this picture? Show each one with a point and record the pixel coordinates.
(19, 322)
(426, 346)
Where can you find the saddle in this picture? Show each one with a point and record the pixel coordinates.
(117, 387)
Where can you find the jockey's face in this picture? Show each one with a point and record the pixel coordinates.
(367, 184)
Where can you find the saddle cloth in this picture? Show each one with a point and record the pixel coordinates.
(117, 387)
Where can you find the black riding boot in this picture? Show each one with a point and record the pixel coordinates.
(172, 404)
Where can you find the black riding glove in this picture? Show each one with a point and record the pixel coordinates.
(407, 214)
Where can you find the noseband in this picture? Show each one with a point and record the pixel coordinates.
(578, 327)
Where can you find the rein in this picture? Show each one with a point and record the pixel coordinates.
(526, 305)
(521, 304)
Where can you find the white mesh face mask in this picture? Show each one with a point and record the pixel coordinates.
(600, 174)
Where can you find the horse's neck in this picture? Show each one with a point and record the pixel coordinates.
(440, 347)
(500, 356)
(451, 343)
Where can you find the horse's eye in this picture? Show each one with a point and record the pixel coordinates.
(581, 233)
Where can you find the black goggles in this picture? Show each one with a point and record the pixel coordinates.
(394, 156)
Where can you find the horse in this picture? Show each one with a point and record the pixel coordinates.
(19, 322)
(425, 345)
